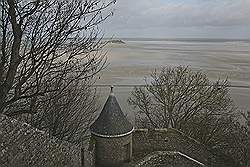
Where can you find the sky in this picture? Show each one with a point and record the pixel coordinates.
(179, 19)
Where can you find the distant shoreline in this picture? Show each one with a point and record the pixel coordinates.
(183, 39)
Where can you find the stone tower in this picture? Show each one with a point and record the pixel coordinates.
(112, 133)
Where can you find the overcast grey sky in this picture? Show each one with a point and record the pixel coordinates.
(180, 19)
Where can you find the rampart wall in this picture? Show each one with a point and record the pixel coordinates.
(22, 145)
(146, 141)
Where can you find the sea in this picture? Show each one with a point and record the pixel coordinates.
(129, 63)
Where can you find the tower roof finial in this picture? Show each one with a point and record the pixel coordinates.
(112, 90)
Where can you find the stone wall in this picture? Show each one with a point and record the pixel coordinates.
(146, 141)
(168, 158)
(23, 146)
(248, 135)
(89, 155)
(111, 151)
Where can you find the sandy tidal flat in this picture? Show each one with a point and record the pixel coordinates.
(129, 63)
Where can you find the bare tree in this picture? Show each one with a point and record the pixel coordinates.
(177, 97)
(67, 115)
(50, 53)
(47, 43)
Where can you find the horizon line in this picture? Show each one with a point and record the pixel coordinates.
(177, 38)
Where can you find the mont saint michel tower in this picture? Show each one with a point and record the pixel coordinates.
(112, 133)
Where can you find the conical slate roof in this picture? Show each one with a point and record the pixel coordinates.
(111, 121)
